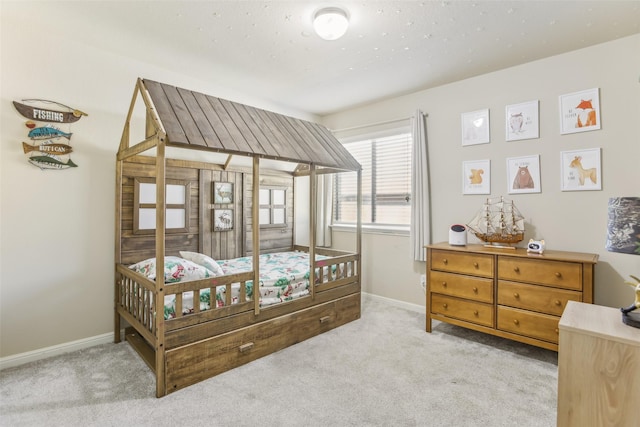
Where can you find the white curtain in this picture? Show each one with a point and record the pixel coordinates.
(420, 233)
(324, 209)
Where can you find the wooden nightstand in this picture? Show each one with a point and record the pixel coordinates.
(598, 368)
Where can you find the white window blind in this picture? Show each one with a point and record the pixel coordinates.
(386, 182)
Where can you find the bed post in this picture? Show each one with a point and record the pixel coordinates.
(255, 213)
(312, 228)
(160, 243)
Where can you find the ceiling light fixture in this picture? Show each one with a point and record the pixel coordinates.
(331, 23)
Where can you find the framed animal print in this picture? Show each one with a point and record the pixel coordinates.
(522, 121)
(222, 192)
(580, 111)
(523, 174)
(476, 177)
(475, 127)
(581, 170)
(222, 219)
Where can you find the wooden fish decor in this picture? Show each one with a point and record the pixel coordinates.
(50, 147)
(46, 115)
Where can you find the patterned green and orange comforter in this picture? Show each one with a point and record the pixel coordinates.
(284, 276)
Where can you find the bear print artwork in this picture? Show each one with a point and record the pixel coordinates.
(523, 179)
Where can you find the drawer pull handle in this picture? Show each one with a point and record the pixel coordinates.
(517, 269)
(475, 264)
(475, 312)
(324, 319)
(444, 284)
(444, 305)
(445, 261)
(516, 295)
(557, 331)
(475, 290)
(558, 302)
(558, 275)
(516, 322)
(245, 347)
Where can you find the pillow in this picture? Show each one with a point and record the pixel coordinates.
(203, 260)
(175, 269)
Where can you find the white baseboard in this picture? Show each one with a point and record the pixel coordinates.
(406, 305)
(43, 353)
(32, 356)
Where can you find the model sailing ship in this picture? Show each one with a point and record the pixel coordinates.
(498, 223)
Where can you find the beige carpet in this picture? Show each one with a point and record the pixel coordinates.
(382, 370)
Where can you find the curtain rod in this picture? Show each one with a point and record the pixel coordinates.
(386, 122)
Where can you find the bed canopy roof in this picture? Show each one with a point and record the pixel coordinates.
(188, 119)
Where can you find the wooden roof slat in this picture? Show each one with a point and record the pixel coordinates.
(209, 123)
(205, 129)
(224, 138)
(251, 119)
(315, 153)
(277, 137)
(247, 135)
(238, 139)
(183, 114)
(165, 112)
(288, 136)
(332, 144)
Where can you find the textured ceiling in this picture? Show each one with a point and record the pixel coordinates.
(268, 48)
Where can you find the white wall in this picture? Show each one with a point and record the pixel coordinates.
(572, 221)
(57, 227)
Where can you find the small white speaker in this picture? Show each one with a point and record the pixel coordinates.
(458, 235)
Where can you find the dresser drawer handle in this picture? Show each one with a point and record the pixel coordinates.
(475, 312)
(517, 269)
(475, 290)
(516, 295)
(444, 305)
(557, 331)
(475, 264)
(516, 322)
(558, 302)
(558, 275)
(324, 319)
(444, 284)
(445, 261)
(245, 347)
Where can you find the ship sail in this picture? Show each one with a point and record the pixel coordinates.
(498, 221)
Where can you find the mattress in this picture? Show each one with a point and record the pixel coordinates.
(284, 276)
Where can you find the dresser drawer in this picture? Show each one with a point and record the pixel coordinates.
(469, 311)
(528, 323)
(463, 263)
(458, 285)
(536, 298)
(559, 274)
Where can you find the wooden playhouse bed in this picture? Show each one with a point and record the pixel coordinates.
(203, 341)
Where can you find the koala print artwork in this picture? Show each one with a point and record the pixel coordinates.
(523, 179)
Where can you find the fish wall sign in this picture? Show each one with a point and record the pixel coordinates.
(50, 146)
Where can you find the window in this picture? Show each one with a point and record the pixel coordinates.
(273, 207)
(177, 206)
(386, 182)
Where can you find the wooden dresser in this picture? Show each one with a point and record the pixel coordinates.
(506, 292)
(598, 368)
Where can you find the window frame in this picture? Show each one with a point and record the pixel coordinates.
(137, 206)
(367, 225)
(272, 206)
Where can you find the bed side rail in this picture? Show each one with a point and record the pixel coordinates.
(185, 303)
